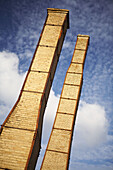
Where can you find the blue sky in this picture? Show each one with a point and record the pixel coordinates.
(21, 23)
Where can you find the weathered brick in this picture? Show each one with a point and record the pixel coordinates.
(36, 81)
(43, 59)
(61, 135)
(50, 35)
(82, 43)
(26, 111)
(67, 106)
(55, 160)
(63, 121)
(75, 68)
(71, 92)
(59, 140)
(73, 79)
(56, 19)
(14, 148)
(78, 56)
(21, 132)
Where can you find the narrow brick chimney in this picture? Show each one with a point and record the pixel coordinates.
(58, 149)
(20, 134)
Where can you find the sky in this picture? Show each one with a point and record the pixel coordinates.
(21, 22)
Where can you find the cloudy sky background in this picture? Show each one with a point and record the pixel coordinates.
(21, 22)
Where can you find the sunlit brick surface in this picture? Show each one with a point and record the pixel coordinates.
(50, 35)
(75, 68)
(56, 19)
(21, 132)
(55, 160)
(43, 59)
(79, 56)
(25, 112)
(36, 81)
(63, 121)
(67, 106)
(58, 149)
(15, 146)
(59, 140)
(73, 79)
(82, 43)
(70, 92)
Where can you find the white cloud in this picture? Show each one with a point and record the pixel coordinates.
(10, 81)
(66, 44)
(4, 109)
(49, 115)
(48, 120)
(91, 125)
(90, 145)
(84, 166)
(91, 131)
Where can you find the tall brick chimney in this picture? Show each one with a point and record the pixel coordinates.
(58, 149)
(20, 134)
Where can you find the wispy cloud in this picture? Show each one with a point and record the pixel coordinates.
(90, 135)
(10, 81)
(48, 120)
(49, 115)
(22, 24)
(91, 147)
(92, 124)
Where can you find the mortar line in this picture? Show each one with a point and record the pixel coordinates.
(5, 168)
(67, 98)
(33, 91)
(47, 46)
(62, 129)
(79, 49)
(71, 84)
(65, 113)
(57, 151)
(54, 25)
(39, 71)
(19, 128)
(73, 72)
(76, 63)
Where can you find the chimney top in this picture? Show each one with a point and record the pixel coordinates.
(57, 10)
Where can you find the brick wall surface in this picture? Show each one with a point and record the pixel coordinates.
(59, 145)
(21, 132)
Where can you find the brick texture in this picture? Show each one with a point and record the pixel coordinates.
(59, 145)
(21, 132)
